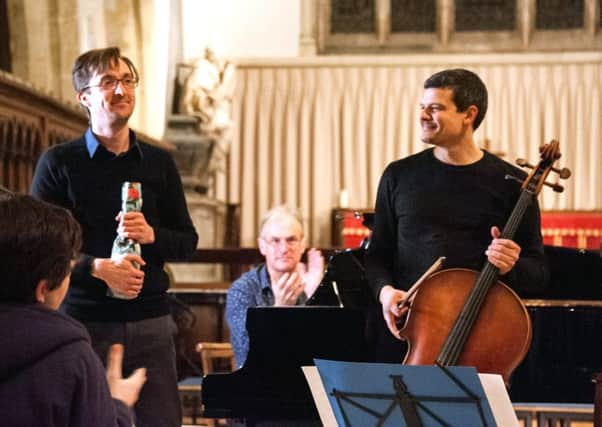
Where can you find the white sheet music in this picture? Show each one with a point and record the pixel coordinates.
(498, 398)
(319, 394)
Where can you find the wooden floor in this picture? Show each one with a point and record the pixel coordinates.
(198, 422)
(570, 424)
(187, 423)
(554, 414)
(529, 415)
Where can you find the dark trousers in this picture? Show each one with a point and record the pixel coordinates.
(148, 343)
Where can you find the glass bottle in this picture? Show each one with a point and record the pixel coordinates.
(131, 201)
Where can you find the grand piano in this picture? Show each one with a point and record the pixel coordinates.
(270, 387)
(566, 350)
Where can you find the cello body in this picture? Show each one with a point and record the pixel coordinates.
(463, 317)
(498, 340)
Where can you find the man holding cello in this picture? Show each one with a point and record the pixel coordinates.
(450, 200)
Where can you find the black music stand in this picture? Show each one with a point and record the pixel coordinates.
(344, 283)
(379, 394)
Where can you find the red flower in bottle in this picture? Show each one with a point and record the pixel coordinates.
(133, 194)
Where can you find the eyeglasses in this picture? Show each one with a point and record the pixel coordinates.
(275, 242)
(110, 83)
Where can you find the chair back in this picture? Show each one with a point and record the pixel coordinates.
(211, 352)
(598, 400)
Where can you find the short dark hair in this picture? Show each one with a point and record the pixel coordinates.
(97, 61)
(37, 241)
(467, 89)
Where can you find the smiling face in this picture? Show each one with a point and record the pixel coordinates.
(110, 106)
(441, 122)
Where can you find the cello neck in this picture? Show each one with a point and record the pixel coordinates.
(532, 185)
(452, 348)
(525, 199)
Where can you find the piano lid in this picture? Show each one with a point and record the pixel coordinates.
(575, 274)
(281, 340)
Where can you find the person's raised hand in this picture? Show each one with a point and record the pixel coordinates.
(125, 389)
(312, 273)
(287, 289)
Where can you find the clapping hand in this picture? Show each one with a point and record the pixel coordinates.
(287, 289)
(312, 273)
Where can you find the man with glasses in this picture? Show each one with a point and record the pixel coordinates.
(282, 281)
(85, 176)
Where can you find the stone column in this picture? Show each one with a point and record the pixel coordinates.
(383, 21)
(44, 43)
(445, 20)
(526, 21)
(307, 39)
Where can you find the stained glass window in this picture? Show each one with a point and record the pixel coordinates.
(413, 16)
(485, 15)
(450, 25)
(559, 14)
(352, 16)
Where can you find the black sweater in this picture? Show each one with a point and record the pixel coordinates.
(90, 187)
(426, 209)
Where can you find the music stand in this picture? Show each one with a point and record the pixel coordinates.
(379, 394)
(344, 283)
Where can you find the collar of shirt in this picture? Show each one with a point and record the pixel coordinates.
(96, 149)
(266, 285)
(264, 280)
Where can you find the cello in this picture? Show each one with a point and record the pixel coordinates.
(462, 317)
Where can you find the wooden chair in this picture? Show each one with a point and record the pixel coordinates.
(191, 388)
(211, 353)
(598, 400)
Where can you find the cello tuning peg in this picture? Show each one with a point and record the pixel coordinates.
(524, 164)
(556, 187)
(563, 173)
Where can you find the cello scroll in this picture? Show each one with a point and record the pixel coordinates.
(549, 154)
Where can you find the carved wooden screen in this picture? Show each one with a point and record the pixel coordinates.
(30, 122)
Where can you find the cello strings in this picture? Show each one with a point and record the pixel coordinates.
(454, 344)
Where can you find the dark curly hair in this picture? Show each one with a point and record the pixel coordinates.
(467, 89)
(38, 241)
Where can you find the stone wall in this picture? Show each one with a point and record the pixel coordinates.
(47, 36)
